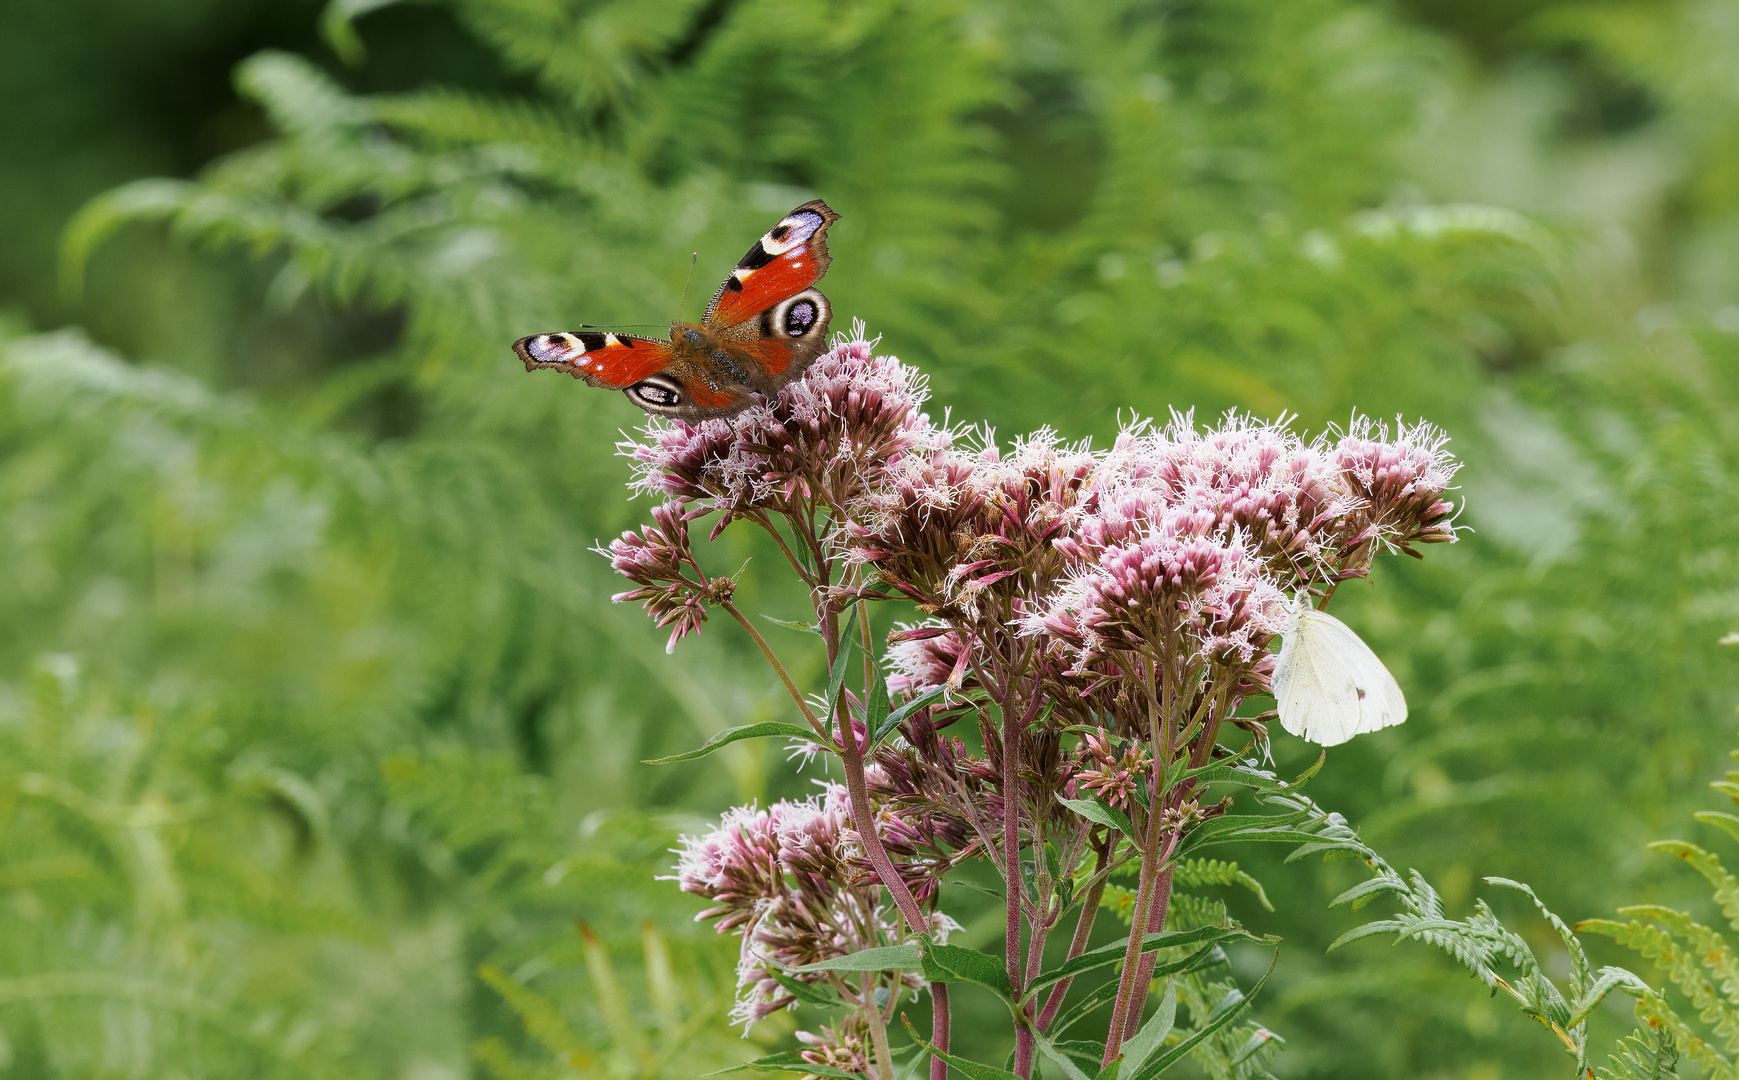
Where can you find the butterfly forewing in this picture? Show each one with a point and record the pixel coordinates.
(617, 361)
(1329, 685)
(789, 258)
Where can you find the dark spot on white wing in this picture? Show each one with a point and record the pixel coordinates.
(800, 317)
(1361, 692)
(779, 231)
(732, 284)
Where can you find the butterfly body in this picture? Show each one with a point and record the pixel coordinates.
(764, 327)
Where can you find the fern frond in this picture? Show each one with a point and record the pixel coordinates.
(1708, 865)
(1197, 872)
(1647, 1054)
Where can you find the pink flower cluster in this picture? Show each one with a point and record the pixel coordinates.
(827, 437)
(1099, 616)
(788, 880)
(658, 559)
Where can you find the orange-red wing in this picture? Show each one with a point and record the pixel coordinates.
(791, 257)
(613, 360)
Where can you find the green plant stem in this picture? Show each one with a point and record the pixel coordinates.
(877, 1028)
(784, 676)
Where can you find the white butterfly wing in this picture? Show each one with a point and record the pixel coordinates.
(1330, 686)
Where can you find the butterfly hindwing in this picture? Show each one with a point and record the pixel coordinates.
(787, 260)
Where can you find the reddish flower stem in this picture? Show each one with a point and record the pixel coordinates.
(863, 818)
(1155, 923)
(1083, 932)
(1144, 894)
(939, 1028)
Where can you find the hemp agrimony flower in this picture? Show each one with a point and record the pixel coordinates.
(1089, 628)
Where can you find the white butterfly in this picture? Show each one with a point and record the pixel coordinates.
(1328, 684)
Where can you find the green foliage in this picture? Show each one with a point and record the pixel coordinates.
(1696, 958)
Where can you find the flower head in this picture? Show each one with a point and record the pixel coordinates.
(671, 586)
(824, 438)
(1399, 482)
(787, 880)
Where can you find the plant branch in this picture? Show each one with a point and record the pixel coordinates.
(784, 676)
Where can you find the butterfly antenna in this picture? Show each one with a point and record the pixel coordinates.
(692, 259)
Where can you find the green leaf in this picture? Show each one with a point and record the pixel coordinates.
(841, 661)
(1152, 1034)
(1065, 1060)
(1206, 936)
(809, 994)
(788, 1061)
(1609, 979)
(898, 716)
(887, 958)
(1098, 996)
(876, 708)
(954, 963)
(972, 1070)
(765, 729)
(1258, 1039)
(1365, 890)
(1098, 810)
(913, 1065)
(1222, 1016)
(807, 628)
(962, 883)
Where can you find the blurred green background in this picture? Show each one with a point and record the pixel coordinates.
(317, 731)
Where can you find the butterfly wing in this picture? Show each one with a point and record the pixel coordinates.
(637, 366)
(1329, 685)
(788, 259)
(767, 314)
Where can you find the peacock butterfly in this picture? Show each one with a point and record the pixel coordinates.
(764, 327)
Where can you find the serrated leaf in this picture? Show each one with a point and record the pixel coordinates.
(765, 729)
(1365, 890)
(1100, 812)
(955, 963)
(1609, 979)
(887, 958)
